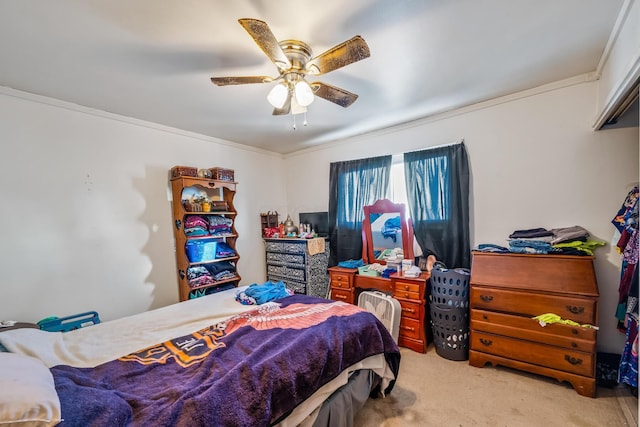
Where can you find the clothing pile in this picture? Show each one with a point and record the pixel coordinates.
(222, 270)
(219, 225)
(572, 240)
(196, 226)
(197, 293)
(207, 274)
(198, 275)
(351, 263)
(257, 294)
(207, 225)
(626, 223)
(223, 250)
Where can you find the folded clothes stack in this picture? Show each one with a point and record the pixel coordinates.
(572, 240)
(196, 226)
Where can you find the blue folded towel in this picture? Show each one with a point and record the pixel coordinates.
(352, 263)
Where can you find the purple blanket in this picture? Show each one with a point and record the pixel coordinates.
(251, 370)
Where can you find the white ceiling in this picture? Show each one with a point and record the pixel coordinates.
(152, 60)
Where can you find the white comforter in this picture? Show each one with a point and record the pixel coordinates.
(94, 345)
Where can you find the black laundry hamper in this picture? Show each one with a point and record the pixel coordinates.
(449, 309)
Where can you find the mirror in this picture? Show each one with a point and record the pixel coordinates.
(385, 228)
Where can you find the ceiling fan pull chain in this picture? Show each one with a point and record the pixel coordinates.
(305, 118)
(294, 121)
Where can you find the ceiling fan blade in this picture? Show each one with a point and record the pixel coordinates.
(264, 38)
(333, 94)
(226, 81)
(285, 108)
(345, 53)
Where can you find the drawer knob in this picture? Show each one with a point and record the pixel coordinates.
(408, 328)
(486, 342)
(575, 310)
(406, 287)
(408, 310)
(572, 360)
(485, 317)
(486, 298)
(340, 296)
(575, 332)
(574, 345)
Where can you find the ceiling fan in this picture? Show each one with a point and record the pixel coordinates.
(293, 58)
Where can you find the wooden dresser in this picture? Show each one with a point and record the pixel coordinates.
(507, 290)
(346, 286)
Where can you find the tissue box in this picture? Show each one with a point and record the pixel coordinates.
(364, 271)
(407, 264)
(395, 265)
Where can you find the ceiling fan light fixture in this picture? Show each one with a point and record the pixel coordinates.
(278, 95)
(296, 107)
(295, 61)
(303, 92)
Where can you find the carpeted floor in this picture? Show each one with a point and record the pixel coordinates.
(434, 391)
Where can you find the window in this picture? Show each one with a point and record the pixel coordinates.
(397, 182)
(433, 185)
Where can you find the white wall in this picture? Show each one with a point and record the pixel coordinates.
(535, 162)
(86, 214)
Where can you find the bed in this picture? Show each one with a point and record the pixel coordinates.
(298, 360)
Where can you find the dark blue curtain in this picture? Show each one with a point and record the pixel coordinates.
(437, 182)
(353, 185)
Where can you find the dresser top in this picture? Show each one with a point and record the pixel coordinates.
(567, 274)
(537, 256)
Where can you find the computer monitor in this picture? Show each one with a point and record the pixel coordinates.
(319, 222)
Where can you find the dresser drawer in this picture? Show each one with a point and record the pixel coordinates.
(581, 310)
(285, 246)
(342, 295)
(292, 273)
(562, 359)
(407, 295)
(341, 280)
(408, 289)
(410, 309)
(281, 259)
(566, 336)
(410, 328)
(295, 286)
(273, 246)
(294, 247)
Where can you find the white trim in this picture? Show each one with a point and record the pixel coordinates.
(129, 120)
(613, 37)
(631, 75)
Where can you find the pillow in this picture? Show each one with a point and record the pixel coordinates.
(27, 392)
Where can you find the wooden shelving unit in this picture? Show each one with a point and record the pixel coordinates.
(220, 191)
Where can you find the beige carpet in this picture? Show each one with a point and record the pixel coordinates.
(434, 391)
